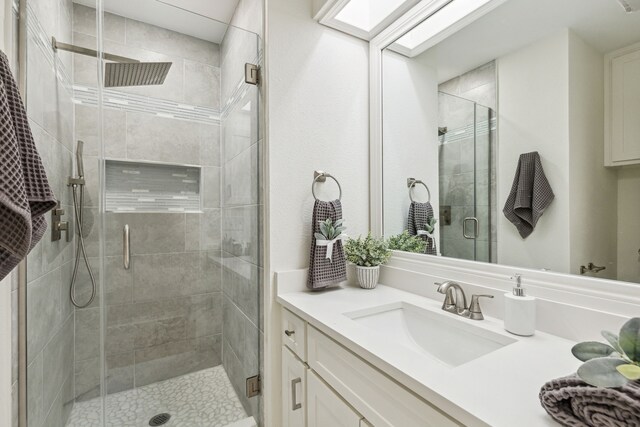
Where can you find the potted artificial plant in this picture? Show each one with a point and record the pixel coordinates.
(405, 242)
(367, 254)
(613, 364)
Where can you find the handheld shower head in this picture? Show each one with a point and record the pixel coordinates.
(79, 162)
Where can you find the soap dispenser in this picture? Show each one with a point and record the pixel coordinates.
(519, 310)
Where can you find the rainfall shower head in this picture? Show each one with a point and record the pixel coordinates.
(123, 71)
(117, 74)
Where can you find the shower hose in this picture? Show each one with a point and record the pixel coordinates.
(80, 249)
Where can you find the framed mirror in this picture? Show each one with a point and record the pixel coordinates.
(508, 132)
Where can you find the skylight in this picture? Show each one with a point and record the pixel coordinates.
(366, 14)
(442, 24)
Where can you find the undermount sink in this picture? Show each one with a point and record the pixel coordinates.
(450, 340)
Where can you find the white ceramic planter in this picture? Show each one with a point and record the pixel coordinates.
(368, 276)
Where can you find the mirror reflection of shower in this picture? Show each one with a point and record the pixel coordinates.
(77, 190)
(465, 132)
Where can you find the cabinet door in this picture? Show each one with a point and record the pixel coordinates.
(294, 384)
(326, 408)
(625, 105)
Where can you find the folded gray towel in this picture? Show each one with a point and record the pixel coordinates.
(322, 271)
(572, 402)
(25, 195)
(530, 194)
(419, 215)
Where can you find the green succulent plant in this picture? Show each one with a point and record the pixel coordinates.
(367, 252)
(330, 230)
(431, 225)
(407, 243)
(613, 364)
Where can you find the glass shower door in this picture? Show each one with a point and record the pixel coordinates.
(457, 176)
(180, 161)
(465, 178)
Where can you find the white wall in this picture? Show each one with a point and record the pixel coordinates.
(628, 224)
(533, 116)
(592, 187)
(410, 135)
(317, 118)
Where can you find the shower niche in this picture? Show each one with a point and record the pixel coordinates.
(133, 186)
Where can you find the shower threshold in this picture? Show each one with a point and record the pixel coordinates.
(202, 398)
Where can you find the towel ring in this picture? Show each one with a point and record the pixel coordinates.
(319, 176)
(411, 182)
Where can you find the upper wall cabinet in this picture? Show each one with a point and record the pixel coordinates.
(622, 109)
(361, 18)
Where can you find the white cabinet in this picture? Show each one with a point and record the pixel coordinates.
(326, 408)
(294, 385)
(622, 106)
(326, 385)
(380, 399)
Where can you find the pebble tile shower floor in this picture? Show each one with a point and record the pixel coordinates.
(201, 399)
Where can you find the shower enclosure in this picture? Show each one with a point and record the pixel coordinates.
(466, 131)
(170, 218)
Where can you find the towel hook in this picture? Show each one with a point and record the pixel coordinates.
(411, 182)
(320, 176)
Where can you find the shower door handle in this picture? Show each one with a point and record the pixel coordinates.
(126, 247)
(476, 227)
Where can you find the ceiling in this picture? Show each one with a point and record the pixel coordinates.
(204, 19)
(603, 24)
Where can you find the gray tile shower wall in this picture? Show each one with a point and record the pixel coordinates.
(164, 314)
(241, 200)
(50, 108)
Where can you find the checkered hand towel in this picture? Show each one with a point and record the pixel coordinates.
(530, 194)
(25, 195)
(419, 215)
(324, 272)
(571, 402)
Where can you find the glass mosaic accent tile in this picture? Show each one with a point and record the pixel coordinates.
(152, 187)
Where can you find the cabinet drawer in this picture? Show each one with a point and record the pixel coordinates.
(294, 334)
(382, 401)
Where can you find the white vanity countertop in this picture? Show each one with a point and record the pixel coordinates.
(498, 389)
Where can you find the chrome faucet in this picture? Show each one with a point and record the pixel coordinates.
(591, 268)
(453, 303)
(455, 300)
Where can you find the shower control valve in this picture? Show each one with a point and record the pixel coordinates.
(57, 225)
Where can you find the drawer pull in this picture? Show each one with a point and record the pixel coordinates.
(294, 396)
(288, 332)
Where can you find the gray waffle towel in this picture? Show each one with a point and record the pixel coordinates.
(571, 402)
(323, 272)
(530, 194)
(25, 195)
(419, 215)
